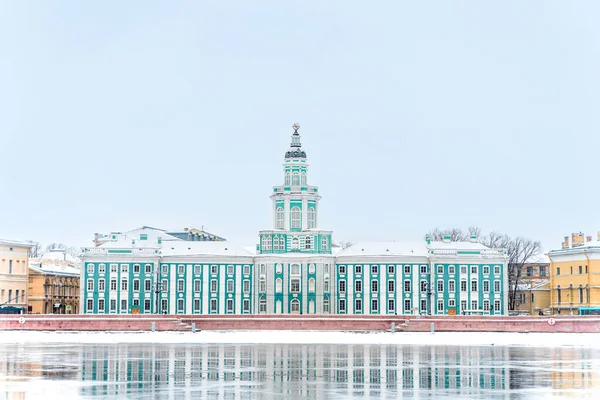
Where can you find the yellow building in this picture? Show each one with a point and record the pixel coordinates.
(534, 298)
(14, 272)
(575, 275)
(54, 284)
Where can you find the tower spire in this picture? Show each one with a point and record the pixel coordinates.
(296, 145)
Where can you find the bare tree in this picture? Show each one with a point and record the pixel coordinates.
(520, 250)
(344, 244)
(36, 249)
(71, 250)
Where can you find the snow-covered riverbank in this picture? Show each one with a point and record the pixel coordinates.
(309, 337)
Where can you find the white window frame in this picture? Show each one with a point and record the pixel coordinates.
(296, 217)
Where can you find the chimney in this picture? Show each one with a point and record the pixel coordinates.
(566, 242)
(185, 229)
(588, 238)
(446, 238)
(159, 240)
(427, 239)
(473, 238)
(577, 239)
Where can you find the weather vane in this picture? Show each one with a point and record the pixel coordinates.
(296, 126)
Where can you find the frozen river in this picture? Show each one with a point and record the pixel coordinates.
(286, 371)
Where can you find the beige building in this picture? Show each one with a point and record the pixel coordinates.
(14, 275)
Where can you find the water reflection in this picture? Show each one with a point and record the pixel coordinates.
(290, 371)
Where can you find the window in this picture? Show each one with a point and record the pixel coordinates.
(358, 269)
(148, 268)
(542, 271)
(486, 269)
(278, 285)
(391, 305)
(391, 286)
(123, 305)
(474, 305)
(374, 305)
(463, 286)
(262, 305)
(246, 270)
(90, 268)
(262, 285)
(558, 294)
(374, 269)
(358, 286)
(451, 269)
(197, 285)
(311, 268)
(571, 270)
(295, 269)
(213, 286)
(463, 305)
(113, 267)
(580, 269)
(407, 286)
(164, 305)
(90, 305)
(496, 270)
(100, 305)
(496, 286)
(101, 269)
(440, 286)
(303, 178)
(451, 303)
(324, 243)
(230, 270)
(342, 305)
(246, 286)
(124, 284)
(295, 306)
(101, 285)
(164, 285)
(165, 269)
(90, 285)
(326, 305)
(486, 305)
(295, 286)
(147, 305)
(473, 286)
(296, 217)
(148, 285)
(440, 306)
(423, 269)
(580, 293)
(180, 285)
(113, 284)
(463, 269)
(267, 243)
(213, 305)
(124, 268)
(311, 285)
(474, 269)
(342, 269)
(557, 270)
(276, 242)
(440, 269)
(281, 243)
(358, 305)
(407, 305)
(326, 269)
(136, 268)
(326, 285)
(496, 305)
(197, 269)
(246, 305)
(197, 305)
(374, 286)
(279, 218)
(287, 178)
(229, 305)
(308, 243)
(230, 286)
(136, 285)
(263, 269)
(423, 286)
(486, 286)
(113, 304)
(312, 218)
(295, 179)
(342, 286)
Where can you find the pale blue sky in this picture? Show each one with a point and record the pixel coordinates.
(414, 115)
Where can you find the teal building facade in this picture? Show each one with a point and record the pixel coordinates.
(294, 269)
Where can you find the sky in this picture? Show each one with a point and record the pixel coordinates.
(414, 116)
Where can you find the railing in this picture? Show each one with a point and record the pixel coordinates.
(99, 251)
(469, 253)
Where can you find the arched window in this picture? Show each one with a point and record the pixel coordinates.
(264, 242)
(326, 305)
(580, 294)
(278, 285)
(295, 269)
(279, 218)
(303, 178)
(295, 179)
(276, 243)
(308, 243)
(558, 295)
(296, 217)
(295, 243)
(324, 243)
(262, 308)
(268, 247)
(295, 306)
(281, 243)
(287, 178)
(311, 269)
(312, 218)
(311, 285)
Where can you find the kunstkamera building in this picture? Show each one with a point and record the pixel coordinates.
(293, 270)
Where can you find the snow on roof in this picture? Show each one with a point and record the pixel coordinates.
(184, 248)
(60, 255)
(541, 258)
(592, 244)
(133, 238)
(11, 242)
(250, 249)
(457, 245)
(52, 269)
(385, 249)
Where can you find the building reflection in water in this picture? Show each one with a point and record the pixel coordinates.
(310, 371)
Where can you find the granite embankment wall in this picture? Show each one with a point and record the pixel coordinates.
(300, 322)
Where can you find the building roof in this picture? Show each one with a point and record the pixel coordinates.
(52, 269)
(458, 245)
(594, 244)
(385, 249)
(184, 248)
(133, 239)
(59, 255)
(11, 242)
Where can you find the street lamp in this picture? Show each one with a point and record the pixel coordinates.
(157, 288)
(429, 294)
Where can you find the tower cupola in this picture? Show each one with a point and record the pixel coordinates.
(295, 150)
